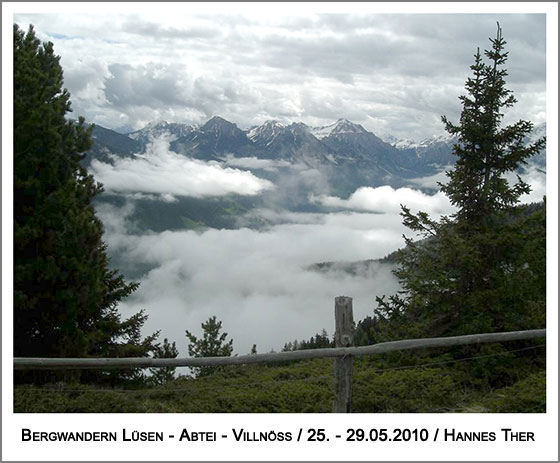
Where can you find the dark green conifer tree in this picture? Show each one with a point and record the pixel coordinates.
(212, 344)
(65, 294)
(481, 269)
(164, 375)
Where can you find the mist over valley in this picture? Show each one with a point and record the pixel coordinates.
(215, 220)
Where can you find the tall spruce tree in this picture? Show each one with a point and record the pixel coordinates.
(479, 269)
(486, 151)
(65, 295)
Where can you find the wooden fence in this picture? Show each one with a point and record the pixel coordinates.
(343, 352)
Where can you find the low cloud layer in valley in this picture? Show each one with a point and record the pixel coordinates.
(387, 199)
(258, 282)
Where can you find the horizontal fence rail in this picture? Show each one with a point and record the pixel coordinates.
(24, 363)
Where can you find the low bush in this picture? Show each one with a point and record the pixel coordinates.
(308, 387)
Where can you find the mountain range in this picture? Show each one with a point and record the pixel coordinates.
(340, 144)
(343, 145)
(336, 160)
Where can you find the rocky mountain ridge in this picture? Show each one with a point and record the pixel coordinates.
(341, 143)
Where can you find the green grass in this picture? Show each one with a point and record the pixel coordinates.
(525, 396)
(300, 387)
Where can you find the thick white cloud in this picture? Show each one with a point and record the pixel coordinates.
(256, 282)
(256, 163)
(536, 178)
(387, 199)
(164, 172)
(431, 181)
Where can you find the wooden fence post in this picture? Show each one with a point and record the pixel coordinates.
(343, 366)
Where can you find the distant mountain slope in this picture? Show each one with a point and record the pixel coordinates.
(370, 266)
(106, 141)
(438, 150)
(156, 130)
(207, 142)
(430, 153)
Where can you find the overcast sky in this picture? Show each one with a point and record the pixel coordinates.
(394, 74)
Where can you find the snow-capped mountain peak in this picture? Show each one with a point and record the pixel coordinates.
(443, 138)
(339, 127)
(403, 143)
(154, 124)
(268, 130)
(157, 129)
(406, 143)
